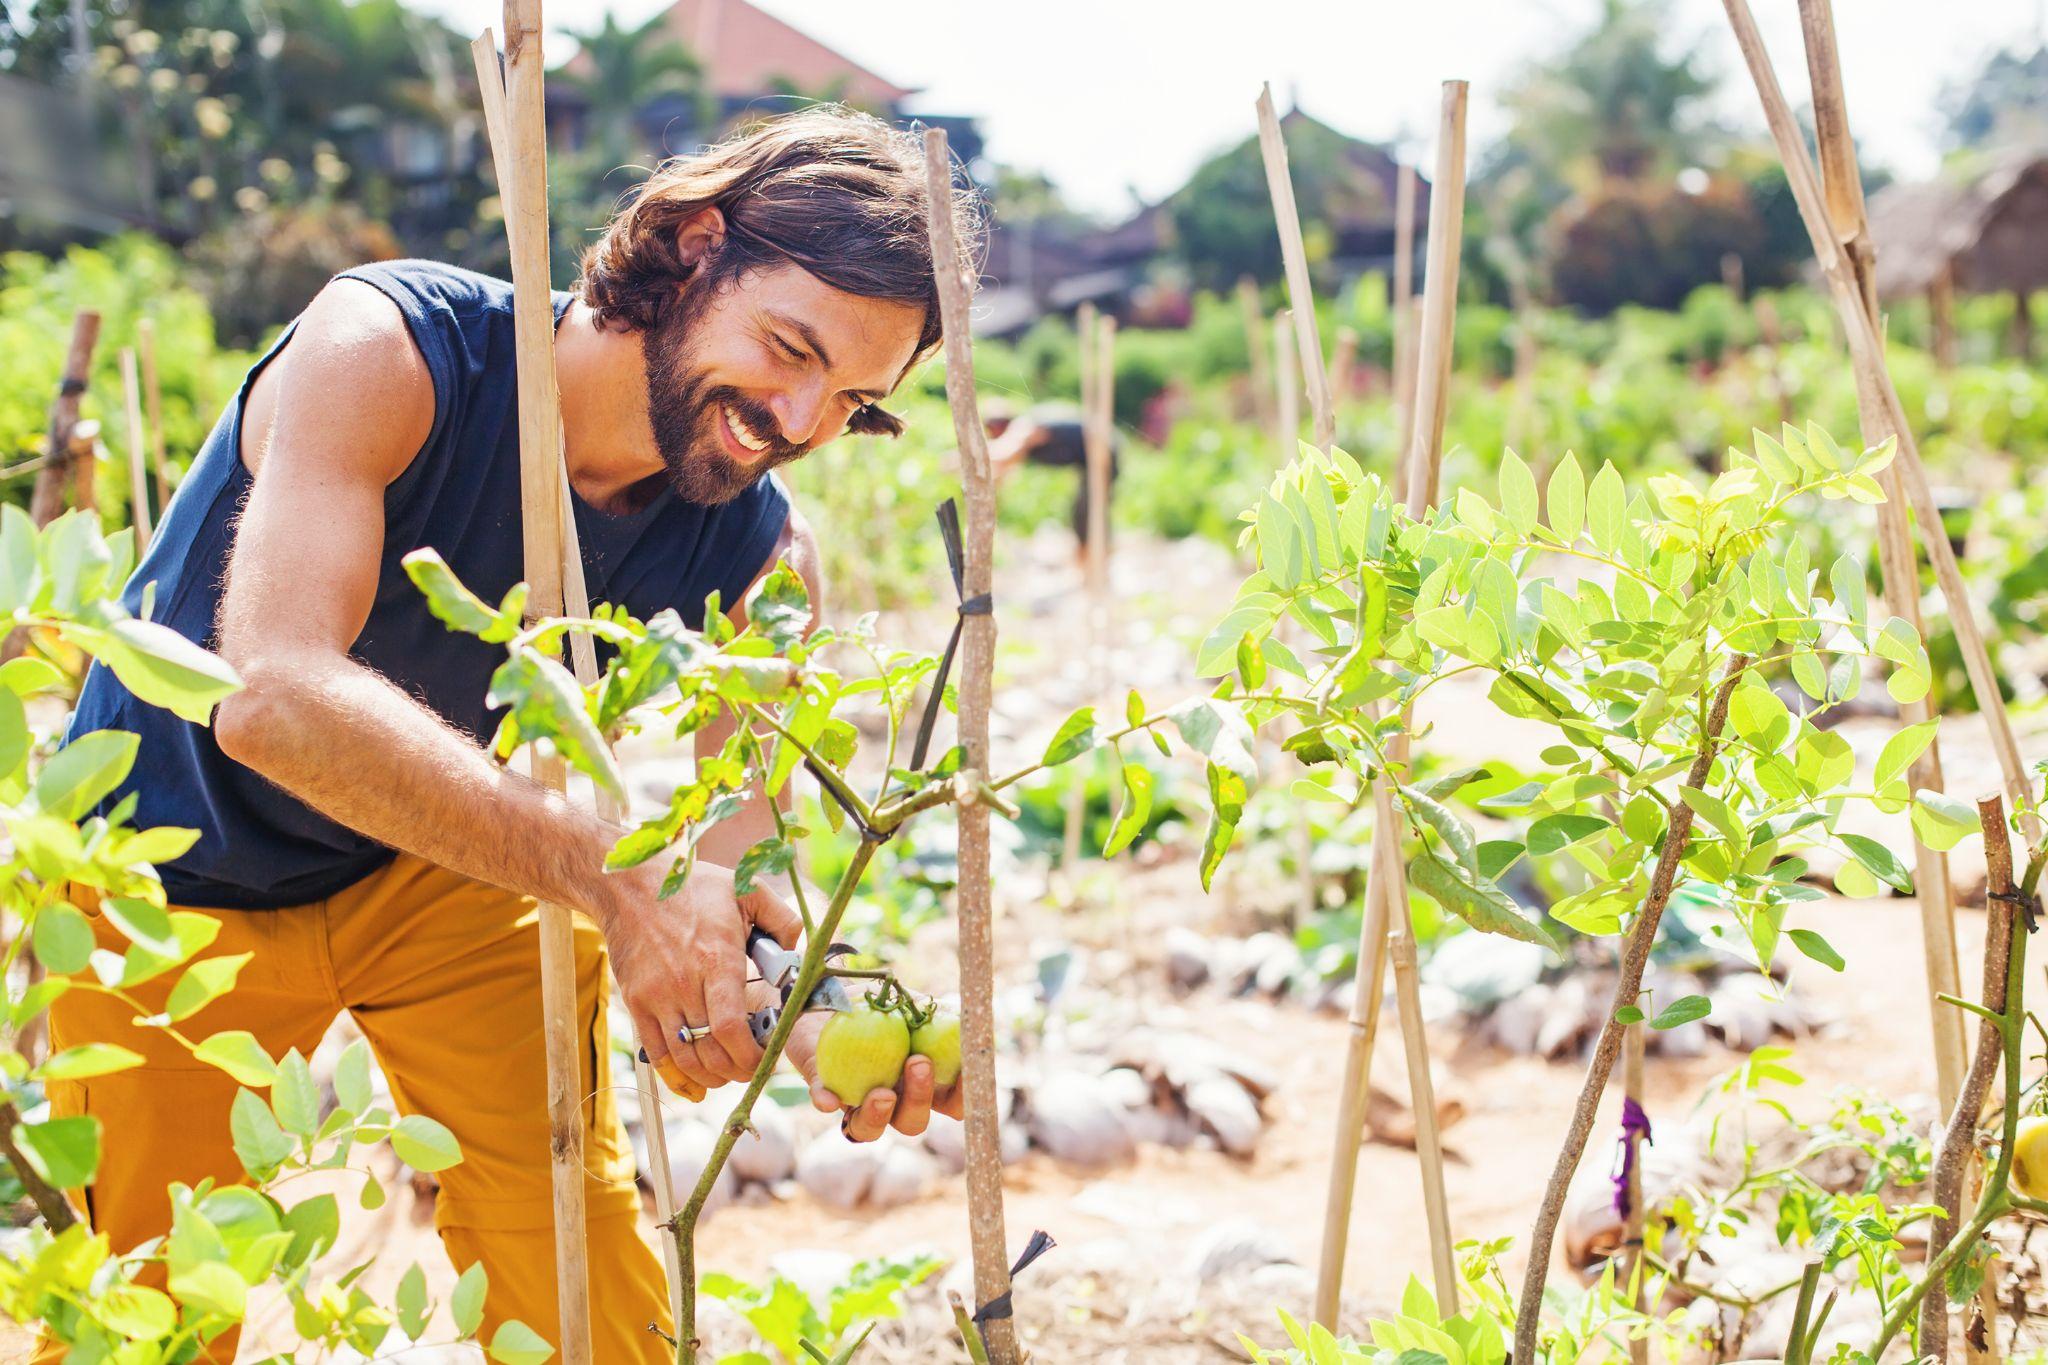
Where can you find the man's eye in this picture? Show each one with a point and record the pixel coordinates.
(792, 352)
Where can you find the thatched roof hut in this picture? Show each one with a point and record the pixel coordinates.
(1982, 233)
(1990, 229)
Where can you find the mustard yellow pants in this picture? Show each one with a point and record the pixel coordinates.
(442, 974)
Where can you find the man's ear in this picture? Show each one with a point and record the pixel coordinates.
(700, 234)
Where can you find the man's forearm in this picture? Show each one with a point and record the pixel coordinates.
(347, 742)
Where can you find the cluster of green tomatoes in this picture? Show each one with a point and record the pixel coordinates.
(865, 1048)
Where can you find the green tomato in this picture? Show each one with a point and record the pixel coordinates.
(860, 1050)
(939, 1039)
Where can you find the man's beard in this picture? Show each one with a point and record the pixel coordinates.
(686, 412)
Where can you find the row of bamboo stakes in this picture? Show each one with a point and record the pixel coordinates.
(71, 443)
(1831, 205)
(514, 106)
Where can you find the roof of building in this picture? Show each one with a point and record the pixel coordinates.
(1989, 223)
(745, 50)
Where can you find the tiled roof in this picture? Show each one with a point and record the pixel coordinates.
(745, 50)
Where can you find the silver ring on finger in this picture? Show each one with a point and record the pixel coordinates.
(692, 1033)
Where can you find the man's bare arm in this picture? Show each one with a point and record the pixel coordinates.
(347, 407)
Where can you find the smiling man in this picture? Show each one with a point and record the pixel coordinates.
(749, 305)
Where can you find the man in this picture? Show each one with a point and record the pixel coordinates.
(750, 304)
(1050, 434)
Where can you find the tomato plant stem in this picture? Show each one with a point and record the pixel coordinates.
(1634, 959)
(808, 974)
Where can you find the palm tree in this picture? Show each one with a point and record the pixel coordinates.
(622, 70)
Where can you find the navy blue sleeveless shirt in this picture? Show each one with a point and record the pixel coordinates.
(261, 848)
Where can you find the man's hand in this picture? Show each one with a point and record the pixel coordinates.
(684, 961)
(908, 1108)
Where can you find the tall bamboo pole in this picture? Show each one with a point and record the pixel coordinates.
(46, 502)
(1308, 341)
(583, 657)
(1866, 349)
(1386, 895)
(1286, 390)
(1087, 337)
(138, 474)
(523, 185)
(153, 399)
(1843, 188)
(1632, 1222)
(977, 677)
(1899, 563)
(1404, 317)
(1255, 350)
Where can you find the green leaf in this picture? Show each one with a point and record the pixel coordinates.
(1457, 836)
(1136, 809)
(1901, 750)
(136, 1312)
(1854, 882)
(1251, 615)
(466, 1304)
(147, 926)
(1481, 904)
(260, 1143)
(1554, 832)
(780, 608)
(294, 1098)
(515, 1343)
(83, 771)
(352, 1078)
(203, 983)
(459, 609)
(1760, 718)
(1228, 791)
(63, 939)
(1517, 493)
(239, 1054)
(1076, 736)
(1817, 948)
(1682, 1011)
(411, 1301)
(85, 1061)
(1941, 821)
(1881, 861)
(161, 666)
(770, 858)
(1822, 759)
(314, 1225)
(1628, 1014)
(1216, 729)
(424, 1144)
(1716, 813)
(1913, 677)
(1566, 498)
(15, 739)
(1607, 508)
(212, 1288)
(65, 1152)
(29, 675)
(544, 702)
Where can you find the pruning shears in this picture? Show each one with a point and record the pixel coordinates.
(778, 967)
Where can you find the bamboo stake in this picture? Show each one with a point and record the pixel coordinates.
(1255, 350)
(1404, 321)
(1087, 335)
(1867, 353)
(153, 397)
(1440, 294)
(1308, 341)
(1898, 562)
(1386, 896)
(138, 476)
(1286, 390)
(1344, 366)
(86, 450)
(523, 186)
(583, 658)
(1843, 186)
(977, 673)
(46, 502)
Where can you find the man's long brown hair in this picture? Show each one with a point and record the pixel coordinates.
(837, 192)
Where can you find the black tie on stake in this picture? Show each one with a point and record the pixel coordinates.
(981, 605)
(999, 1306)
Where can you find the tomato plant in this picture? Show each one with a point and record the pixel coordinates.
(58, 589)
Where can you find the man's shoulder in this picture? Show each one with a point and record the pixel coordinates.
(435, 282)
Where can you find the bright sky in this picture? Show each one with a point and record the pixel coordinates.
(1115, 97)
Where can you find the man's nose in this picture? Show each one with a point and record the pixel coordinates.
(798, 413)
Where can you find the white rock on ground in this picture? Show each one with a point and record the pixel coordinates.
(837, 1172)
(1236, 1248)
(905, 1173)
(1223, 1108)
(689, 1148)
(1075, 1118)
